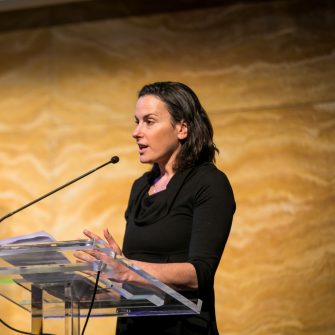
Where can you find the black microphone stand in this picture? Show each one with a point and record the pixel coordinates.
(113, 160)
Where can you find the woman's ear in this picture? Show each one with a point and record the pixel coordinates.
(182, 130)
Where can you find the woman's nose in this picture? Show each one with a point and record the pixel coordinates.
(137, 131)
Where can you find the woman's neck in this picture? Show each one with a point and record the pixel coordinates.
(165, 171)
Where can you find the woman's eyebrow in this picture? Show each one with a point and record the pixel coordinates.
(147, 116)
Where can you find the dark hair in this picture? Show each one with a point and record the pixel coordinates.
(183, 105)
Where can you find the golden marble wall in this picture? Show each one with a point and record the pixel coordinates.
(265, 73)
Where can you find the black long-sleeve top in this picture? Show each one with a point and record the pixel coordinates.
(188, 222)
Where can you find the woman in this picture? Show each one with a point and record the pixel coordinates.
(179, 214)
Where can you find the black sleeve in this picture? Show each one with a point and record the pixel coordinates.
(214, 208)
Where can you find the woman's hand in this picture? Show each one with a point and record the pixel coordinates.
(111, 242)
(114, 270)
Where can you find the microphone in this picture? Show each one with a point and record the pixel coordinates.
(113, 160)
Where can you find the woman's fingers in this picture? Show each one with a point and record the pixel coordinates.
(85, 256)
(109, 238)
(112, 269)
(91, 235)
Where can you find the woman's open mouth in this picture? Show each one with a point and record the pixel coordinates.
(142, 148)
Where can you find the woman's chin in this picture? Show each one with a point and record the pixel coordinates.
(145, 160)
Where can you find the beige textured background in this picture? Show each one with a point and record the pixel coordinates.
(264, 72)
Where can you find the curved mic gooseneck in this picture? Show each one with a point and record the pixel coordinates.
(113, 160)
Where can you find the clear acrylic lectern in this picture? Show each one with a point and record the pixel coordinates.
(45, 280)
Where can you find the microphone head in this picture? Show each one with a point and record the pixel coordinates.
(115, 159)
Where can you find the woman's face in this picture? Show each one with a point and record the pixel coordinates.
(157, 138)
